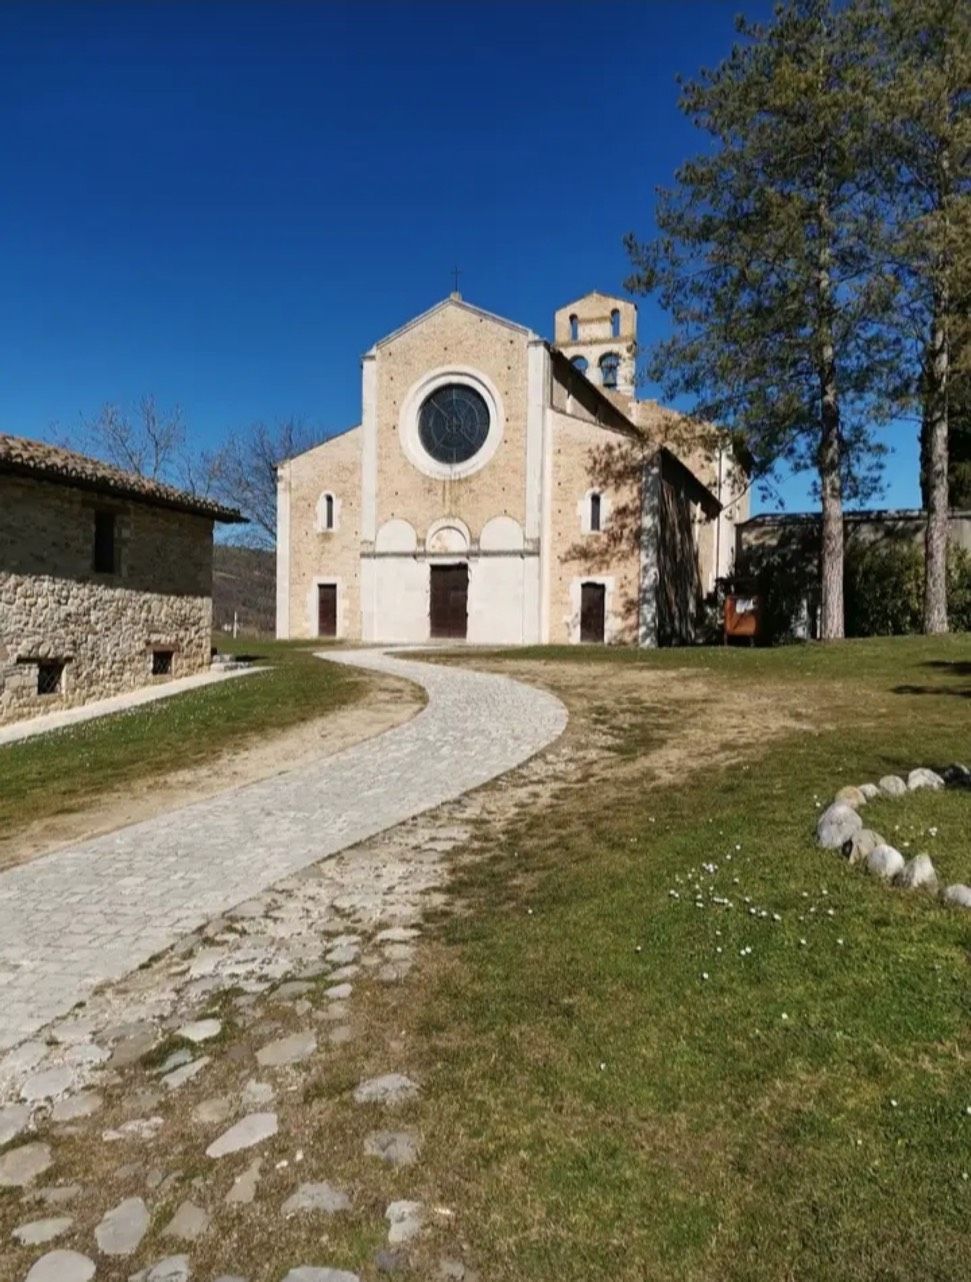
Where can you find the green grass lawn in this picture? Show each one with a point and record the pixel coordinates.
(620, 1084)
(60, 772)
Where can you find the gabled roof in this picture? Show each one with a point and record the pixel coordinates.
(598, 293)
(453, 300)
(20, 456)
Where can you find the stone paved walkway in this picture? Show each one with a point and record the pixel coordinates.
(83, 915)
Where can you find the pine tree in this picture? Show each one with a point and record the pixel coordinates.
(922, 133)
(766, 261)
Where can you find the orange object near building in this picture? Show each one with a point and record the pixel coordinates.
(742, 618)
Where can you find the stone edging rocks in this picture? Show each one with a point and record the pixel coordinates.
(840, 827)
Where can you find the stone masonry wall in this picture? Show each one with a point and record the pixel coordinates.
(104, 627)
(452, 336)
(317, 554)
(611, 556)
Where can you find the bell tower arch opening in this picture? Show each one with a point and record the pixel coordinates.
(598, 333)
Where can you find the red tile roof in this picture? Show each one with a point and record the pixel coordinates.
(24, 457)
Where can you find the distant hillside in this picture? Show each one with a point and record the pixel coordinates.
(244, 582)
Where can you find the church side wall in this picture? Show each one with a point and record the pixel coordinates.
(586, 458)
(717, 539)
(316, 555)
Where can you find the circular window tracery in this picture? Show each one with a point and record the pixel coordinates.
(453, 423)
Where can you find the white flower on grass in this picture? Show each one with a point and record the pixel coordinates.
(802, 943)
(840, 942)
(776, 917)
(603, 1065)
(784, 1015)
(893, 1103)
(637, 948)
(718, 950)
(704, 974)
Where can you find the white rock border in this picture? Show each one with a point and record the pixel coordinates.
(841, 828)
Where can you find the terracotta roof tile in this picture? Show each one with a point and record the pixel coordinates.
(25, 457)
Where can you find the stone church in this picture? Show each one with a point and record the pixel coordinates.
(507, 490)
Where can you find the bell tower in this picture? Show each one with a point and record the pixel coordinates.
(598, 333)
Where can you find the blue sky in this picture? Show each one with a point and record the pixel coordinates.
(226, 204)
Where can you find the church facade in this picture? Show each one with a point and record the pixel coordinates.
(502, 489)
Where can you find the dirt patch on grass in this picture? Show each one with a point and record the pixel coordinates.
(387, 703)
(664, 724)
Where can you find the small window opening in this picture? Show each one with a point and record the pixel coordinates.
(161, 663)
(50, 676)
(104, 542)
(615, 323)
(595, 512)
(574, 329)
(580, 363)
(609, 366)
(329, 512)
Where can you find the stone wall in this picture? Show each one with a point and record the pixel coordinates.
(454, 337)
(699, 452)
(585, 458)
(103, 627)
(313, 554)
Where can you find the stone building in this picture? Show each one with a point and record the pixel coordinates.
(105, 579)
(506, 490)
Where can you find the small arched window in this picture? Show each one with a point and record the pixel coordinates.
(595, 513)
(580, 363)
(609, 367)
(615, 323)
(574, 328)
(326, 513)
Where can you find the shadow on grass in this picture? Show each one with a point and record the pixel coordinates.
(955, 668)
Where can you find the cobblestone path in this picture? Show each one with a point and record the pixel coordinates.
(93, 912)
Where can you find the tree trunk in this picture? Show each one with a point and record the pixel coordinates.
(934, 438)
(830, 474)
(831, 487)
